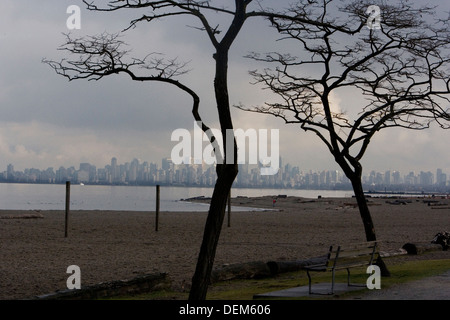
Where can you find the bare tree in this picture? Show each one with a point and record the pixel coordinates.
(398, 70)
(104, 55)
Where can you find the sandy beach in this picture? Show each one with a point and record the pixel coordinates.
(116, 245)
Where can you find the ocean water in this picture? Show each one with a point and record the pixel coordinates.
(15, 196)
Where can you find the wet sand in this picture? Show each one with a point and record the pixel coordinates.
(118, 245)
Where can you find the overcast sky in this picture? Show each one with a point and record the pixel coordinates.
(47, 121)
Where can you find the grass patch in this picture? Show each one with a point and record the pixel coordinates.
(246, 289)
(400, 273)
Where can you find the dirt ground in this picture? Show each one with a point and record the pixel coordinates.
(116, 245)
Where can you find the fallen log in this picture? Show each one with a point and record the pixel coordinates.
(277, 267)
(141, 284)
(419, 248)
(387, 254)
(24, 216)
(260, 269)
(249, 270)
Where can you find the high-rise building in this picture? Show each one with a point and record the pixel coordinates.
(426, 178)
(115, 173)
(396, 177)
(9, 172)
(441, 178)
(387, 177)
(167, 164)
(85, 167)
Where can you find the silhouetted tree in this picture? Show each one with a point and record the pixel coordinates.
(398, 70)
(105, 54)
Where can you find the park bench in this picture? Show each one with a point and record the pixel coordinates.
(345, 257)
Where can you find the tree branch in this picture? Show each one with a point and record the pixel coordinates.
(401, 72)
(103, 55)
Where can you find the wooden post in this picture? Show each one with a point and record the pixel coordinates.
(157, 208)
(229, 209)
(67, 208)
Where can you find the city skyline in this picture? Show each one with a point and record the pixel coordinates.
(48, 121)
(138, 172)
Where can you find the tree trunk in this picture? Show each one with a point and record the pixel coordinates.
(226, 173)
(213, 227)
(364, 212)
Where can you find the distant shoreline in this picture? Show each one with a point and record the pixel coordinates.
(420, 190)
(93, 197)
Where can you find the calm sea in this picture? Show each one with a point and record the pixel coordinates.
(133, 198)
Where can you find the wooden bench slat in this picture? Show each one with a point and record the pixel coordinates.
(317, 268)
(365, 257)
(347, 253)
(351, 265)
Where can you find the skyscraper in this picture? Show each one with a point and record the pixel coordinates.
(441, 178)
(114, 170)
(10, 172)
(167, 164)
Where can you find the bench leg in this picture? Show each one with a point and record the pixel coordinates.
(332, 283)
(310, 281)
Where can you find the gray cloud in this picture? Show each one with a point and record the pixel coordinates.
(47, 121)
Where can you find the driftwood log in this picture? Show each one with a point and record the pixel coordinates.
(277, 267)
(249, 270)
(23, 216)
(419, 248)
(141, 284)
(260, 269)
